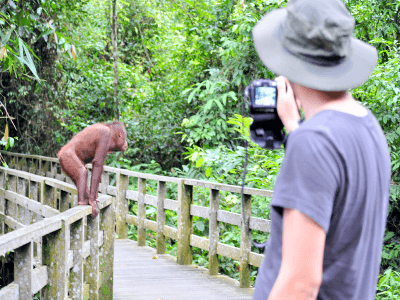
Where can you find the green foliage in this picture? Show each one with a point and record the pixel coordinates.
(388, 286)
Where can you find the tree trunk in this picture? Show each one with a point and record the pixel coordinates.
(115, 56)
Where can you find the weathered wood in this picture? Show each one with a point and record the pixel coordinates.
(122, 206)
(185, 227)
(161, 196)
(76, 275)
(10, 292)
(105, 181)
(10, 222)
(141, 230)
(171, 232)
(139, 276)
(228, 187)
(150, 225)
(55, 257)
(23, 269)
(200, 211)
(11, 208)
(213, 232)
(228, 251)
(32, 205)
(131, 219)
(40, 279)
(64, 200)
(171, 204)
(148, 176)
(107, 228)
(92, 264)
(245, 244)
(199, 242)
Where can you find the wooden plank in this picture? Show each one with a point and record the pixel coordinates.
(228, 187)
(171, 204)
(260, 224)
(150, 225)
(256, 259)
(200, 211)
(131, 219)
(229, 217)
(10, 222)
(150, 176)
(10, 292)
(92, 271)
(159, 277)
(76, 273)
(32, 205)
(199, 242)
(70, 188)
(171, 232)
(22, 236)
(132, 195)
(40, 279)
(228, 251)
(23, 270)
(111, 190)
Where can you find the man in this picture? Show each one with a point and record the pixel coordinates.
(331, 196)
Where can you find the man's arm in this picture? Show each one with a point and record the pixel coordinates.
(303, 244)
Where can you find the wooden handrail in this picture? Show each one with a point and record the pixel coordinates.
(62, 243)
(183, 206)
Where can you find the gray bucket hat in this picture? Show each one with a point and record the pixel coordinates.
(310, 43)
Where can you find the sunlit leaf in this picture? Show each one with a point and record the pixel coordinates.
(73, 51)
(5, 137)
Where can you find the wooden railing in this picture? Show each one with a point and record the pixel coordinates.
(183, 206)
(60, 251)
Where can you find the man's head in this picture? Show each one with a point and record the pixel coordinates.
(310, 43)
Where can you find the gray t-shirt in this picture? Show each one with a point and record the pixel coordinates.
(337, 171)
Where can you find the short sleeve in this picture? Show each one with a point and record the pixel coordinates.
(309, 178)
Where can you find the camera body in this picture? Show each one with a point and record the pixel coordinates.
(266, 129)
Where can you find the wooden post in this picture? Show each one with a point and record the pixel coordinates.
(2, 199)
(44, 168)
(11, 207)
(92, 262)
(48, 196)
(185, 227)
(122, 206)
(77, 242)
(24, 215)
(161, 196)
(245, 245)
(105, 181)
(24, 165)
(23, 269)
(214, 232)
(55, 257)
(64, 200)
(141, 230)
(107, 252)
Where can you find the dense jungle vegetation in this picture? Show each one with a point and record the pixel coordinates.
(182, 69)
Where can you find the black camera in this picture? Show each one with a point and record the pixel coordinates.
(267, 128)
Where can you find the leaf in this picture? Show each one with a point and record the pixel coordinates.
(3, 53)
(191, 96)
(73, 50)
(234, 28)
(199, 225)
(208, 172)
(5, 39)
(219, 105)
(5, 137)
(195, 155)
(199, 163)
(55, 38)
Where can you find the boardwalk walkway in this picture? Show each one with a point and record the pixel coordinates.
(138, 276)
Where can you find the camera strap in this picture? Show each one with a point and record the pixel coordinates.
(246, 226)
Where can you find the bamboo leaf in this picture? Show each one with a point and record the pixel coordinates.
(5, 137)
(73, 50)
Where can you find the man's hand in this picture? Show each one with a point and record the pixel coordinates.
(286, 107)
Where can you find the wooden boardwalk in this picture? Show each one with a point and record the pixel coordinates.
(137, 276)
